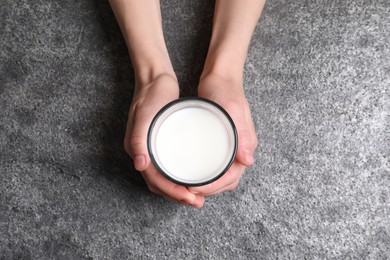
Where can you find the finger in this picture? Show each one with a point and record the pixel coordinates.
(199, 202)
(245, 131)
(247, 140)
(230, 177)
(229, 187)
(245, 150)
(252, 130)
(163, 186)
(136, 136)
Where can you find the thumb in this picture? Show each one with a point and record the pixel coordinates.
(247, 140)
(245, 151)
(136, 138)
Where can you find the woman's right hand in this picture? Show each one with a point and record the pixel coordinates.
(149, 98)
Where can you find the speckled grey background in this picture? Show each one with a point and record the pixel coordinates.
(318, 81)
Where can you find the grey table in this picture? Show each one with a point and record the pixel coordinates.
(318, 81)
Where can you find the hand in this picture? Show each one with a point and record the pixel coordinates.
(148, 99)
(229, 94)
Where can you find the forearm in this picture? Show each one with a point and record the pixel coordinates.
(233, 26)
(141, 26)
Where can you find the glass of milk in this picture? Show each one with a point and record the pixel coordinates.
(192, 141)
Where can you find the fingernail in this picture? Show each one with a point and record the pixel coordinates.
(139, 162)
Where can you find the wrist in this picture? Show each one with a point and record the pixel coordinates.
(150, 65)
(224, 64)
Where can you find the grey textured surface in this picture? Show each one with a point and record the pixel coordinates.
(318, 81)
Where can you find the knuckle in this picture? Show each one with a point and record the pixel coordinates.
(136, 141)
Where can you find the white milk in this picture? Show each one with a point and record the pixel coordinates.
(192, 145)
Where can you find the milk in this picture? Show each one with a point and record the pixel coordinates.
(193, 144)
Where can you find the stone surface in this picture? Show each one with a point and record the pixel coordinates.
(318, 81)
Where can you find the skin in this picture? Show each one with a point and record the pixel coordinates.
(156, 85)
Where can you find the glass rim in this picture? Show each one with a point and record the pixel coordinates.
(196, 99)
